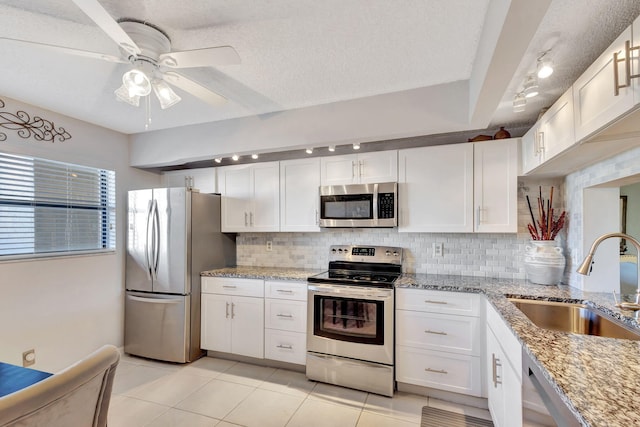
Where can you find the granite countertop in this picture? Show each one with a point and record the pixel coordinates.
(264, 273)
(598, 378)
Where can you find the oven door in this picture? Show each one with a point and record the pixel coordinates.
(351, 321)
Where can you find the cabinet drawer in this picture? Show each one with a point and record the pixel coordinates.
(286, 290)
(438, 301)
(286, 315)
(445, 371)
(442, 332)
(285, 346)
(233, 286)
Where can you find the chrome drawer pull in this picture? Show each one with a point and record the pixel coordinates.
(434, 332)
(288, 316)
(229, 286)
(286, 347)
(437, 371)
(496, 362)
(428, 301)
(284, 291)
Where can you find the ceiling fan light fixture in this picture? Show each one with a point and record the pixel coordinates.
(123, 94)
(165, 94)
(137, 82)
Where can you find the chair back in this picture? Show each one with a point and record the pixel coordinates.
(77, 396)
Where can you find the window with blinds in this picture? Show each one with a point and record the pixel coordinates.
(52, 208)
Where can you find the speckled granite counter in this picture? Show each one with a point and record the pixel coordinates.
(598, 378)
(265, 273)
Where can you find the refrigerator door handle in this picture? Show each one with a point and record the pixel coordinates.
(155, 300)
(149, 242)
(156, 239)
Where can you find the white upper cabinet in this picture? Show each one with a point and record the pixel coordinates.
(595, 102)
(495, 180)
(203, 179)
(435, 188)
(299, 194)
(362, 168)
(250, 197)
(556, 126)
(532, 155)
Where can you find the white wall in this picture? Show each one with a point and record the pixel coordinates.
(67, 307)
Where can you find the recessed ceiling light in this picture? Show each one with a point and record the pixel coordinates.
(218, 160)
(235, 157)
(254, 156)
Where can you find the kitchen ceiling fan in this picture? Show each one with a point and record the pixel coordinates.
(148, 49)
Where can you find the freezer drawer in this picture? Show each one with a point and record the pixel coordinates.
(157, 326)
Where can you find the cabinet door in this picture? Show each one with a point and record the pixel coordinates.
(203, 179)
(557, 130)
(495, 180)
(339, 170)
(247, 326)
(380, 166)
(595, 103)
(216, 322)
(436, 189)
(265, 212)
(532, 155)
(299, 199)
(236, 188)
(504, 387)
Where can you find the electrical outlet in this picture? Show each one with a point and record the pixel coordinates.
(438, 250)
(269, 245)
(29, 357)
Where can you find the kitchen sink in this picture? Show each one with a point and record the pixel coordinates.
(574, 318)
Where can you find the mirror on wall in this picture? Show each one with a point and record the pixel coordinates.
(629, 224)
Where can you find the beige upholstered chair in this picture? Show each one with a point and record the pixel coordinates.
(77, 396)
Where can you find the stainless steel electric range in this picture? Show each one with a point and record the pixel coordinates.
(350, 318)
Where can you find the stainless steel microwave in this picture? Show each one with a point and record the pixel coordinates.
(359, 205)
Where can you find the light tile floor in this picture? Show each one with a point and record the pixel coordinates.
(222, 393)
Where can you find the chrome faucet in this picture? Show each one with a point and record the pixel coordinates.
(585, 267)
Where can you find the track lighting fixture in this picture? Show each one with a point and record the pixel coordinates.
(519, 102)
(332, 148)
(309, 150)
(254, 156)
(530, 86)
(544, 67)
(218, 160)
(356, 146)
(235, 157)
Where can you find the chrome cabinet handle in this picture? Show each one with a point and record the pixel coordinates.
(317, 218)
(436, 371)
(353, 169)
(284, 291)
(428, 331)
(428, 301)
(229, 286)
(361, 168)
(478, 216)
(246, 222)
(251, 219)
(496, 363)
(286, 347)
(288, 316)
(233, 311)
(541, 144)
(227, 311)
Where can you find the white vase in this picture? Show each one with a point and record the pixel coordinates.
(544, 262)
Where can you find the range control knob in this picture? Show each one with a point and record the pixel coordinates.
(395, 253)
(388, 253)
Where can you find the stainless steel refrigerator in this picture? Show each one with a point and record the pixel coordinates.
(173, 235)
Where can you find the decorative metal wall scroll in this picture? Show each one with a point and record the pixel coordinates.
(30, 127)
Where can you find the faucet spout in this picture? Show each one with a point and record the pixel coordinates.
(587, 263)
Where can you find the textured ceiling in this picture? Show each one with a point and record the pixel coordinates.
(294, 53)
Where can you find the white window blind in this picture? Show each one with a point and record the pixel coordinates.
(54, 208)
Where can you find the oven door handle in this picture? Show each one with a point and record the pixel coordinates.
(351, 292)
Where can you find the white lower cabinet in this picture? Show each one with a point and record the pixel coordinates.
(439, 340)
(285, 320)
(504, 372)
(233, 316)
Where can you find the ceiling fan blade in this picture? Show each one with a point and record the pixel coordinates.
(207, 57)
(94, 10)
(194, 88)
(67, 50)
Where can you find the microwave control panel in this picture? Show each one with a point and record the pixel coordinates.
(386, 205)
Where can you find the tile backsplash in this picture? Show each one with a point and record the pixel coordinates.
(467, 254)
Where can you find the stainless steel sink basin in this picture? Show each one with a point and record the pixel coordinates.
(574, 318)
